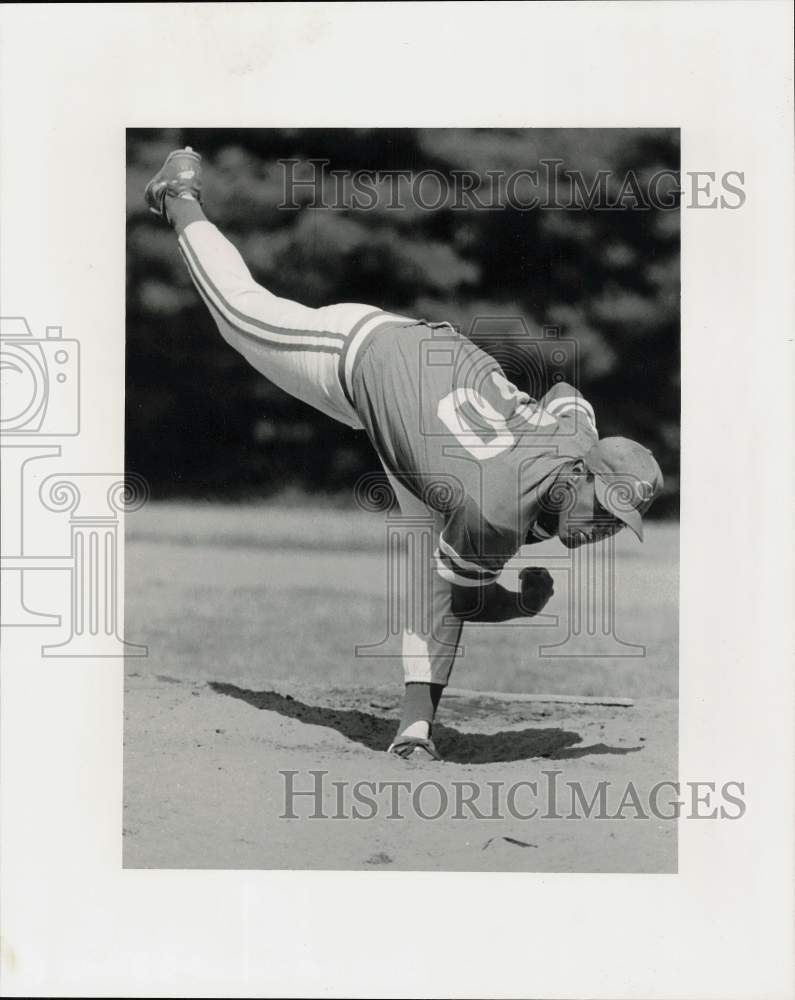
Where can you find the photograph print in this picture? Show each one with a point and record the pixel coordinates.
(406, 404)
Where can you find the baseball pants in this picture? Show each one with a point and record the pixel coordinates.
(310, 354)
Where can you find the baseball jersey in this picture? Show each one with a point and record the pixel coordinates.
(449, 426)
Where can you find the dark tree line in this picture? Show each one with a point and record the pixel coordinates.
(200, 421)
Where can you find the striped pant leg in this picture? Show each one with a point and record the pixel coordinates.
(294, 346)
(430, 639)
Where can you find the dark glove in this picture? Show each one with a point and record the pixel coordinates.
(535, 589)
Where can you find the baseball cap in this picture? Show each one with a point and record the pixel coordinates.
(627, 478)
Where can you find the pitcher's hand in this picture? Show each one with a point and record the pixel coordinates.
(536, 587)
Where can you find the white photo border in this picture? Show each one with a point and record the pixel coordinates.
(74, 77)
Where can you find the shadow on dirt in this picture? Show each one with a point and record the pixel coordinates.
(376, 733)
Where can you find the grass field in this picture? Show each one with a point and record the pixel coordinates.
(247, 593)
(267, 603)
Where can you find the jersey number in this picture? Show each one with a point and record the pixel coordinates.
(485, 428)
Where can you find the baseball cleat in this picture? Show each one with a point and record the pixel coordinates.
(179, 177)
(414, 748)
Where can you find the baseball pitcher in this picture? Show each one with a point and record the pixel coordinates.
(493, 468)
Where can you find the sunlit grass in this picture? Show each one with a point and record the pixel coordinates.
(263, 594)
